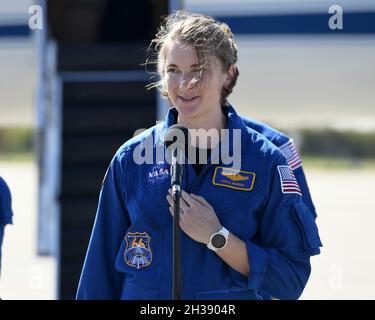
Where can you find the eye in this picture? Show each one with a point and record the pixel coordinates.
(172, 70)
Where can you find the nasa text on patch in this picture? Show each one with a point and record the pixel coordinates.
(158, 173)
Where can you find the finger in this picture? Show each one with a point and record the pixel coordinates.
(182, 216)
(188, 199)
(183, 205)
(170, 200)
(170, 192)
(200, 199)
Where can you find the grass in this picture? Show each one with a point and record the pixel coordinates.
(17, 157)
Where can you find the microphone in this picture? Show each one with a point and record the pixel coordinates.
(176, 141)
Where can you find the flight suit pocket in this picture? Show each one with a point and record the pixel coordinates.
(134, 292)
(308, 230)
(140, 253)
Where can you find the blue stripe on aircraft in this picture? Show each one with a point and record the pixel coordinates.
(353, 23)
(14, 31)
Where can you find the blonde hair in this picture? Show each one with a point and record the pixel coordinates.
(209, 37)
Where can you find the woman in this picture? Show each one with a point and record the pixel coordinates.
(245, 228)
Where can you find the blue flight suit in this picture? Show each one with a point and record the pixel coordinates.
(289, 150)
(286, 145)
(5, 210)
(130, 250)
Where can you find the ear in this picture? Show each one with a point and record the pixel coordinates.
(230, 74)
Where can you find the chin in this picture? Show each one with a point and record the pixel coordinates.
(188, 111)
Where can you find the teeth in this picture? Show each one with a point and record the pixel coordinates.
(188, 99)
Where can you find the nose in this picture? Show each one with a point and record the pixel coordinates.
(188, 80)
(182, 82)
(185, 79)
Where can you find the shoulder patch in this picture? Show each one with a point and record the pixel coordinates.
(288, 181)
(138, 253)
(290, 152)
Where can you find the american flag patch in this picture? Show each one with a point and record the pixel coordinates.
(288, 181)
(290, 152)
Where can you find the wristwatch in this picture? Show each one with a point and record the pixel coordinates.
(218, 240)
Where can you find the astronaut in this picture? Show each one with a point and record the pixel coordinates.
(246, 232)
(265, 210)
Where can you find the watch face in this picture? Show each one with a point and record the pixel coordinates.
(218, 241)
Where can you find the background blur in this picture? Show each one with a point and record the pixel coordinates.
(75, 86)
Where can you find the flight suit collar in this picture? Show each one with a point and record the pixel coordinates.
(233, 121)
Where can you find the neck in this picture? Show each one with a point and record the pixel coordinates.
(214, 120)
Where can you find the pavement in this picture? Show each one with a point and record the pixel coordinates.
(24, 274)
(345, 202)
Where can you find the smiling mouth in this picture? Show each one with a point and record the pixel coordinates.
(188, 99)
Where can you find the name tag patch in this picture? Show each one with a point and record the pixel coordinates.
(233, 178)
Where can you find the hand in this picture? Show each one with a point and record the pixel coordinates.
(197, 217)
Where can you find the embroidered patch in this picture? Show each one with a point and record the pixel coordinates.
(138, 253)
(233, 178)
(288, 181)
(159, 173)
(290, 152)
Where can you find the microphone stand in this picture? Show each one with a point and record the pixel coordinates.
(178, 135)
(176, 183)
